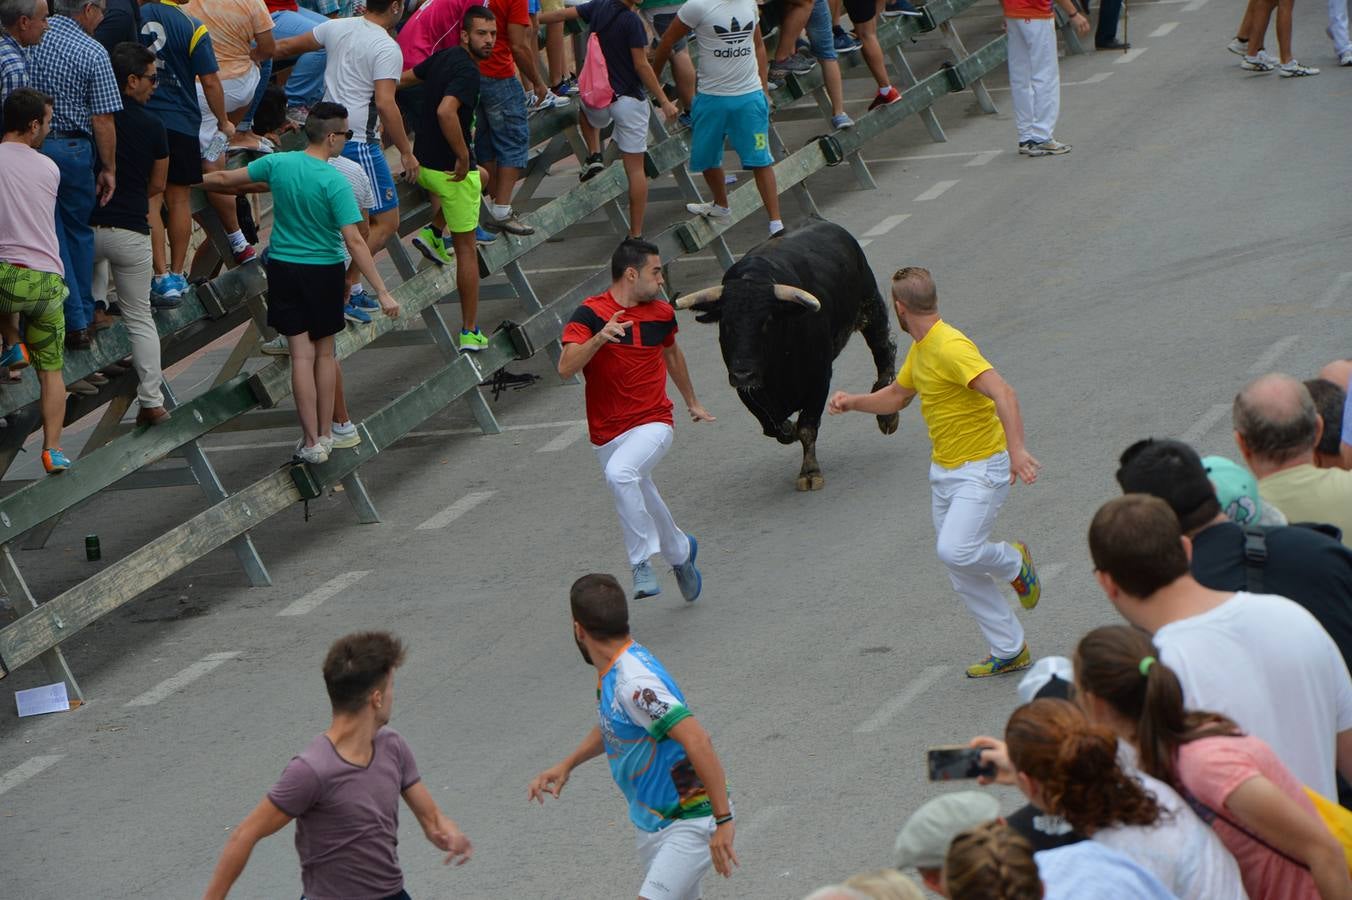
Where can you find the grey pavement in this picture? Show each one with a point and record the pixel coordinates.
(1195, 237)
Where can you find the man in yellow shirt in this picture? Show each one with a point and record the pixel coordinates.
(977, 431)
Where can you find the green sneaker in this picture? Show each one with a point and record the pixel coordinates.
(430, 245)
(473, 341)
(994, 665)
(1027, 585)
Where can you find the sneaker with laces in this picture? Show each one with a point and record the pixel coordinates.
(1049, 147)
(795, 64)
(1024, 147)
(844, 41)
(15, 357)
(511, 225)
(645, 582)
(566, 87)
(685, 120)
(886, 98)
(345, 436)
(1027, 585)
(356, 315)
(54, 461)
(710, 210)
(896, 8)
(314, 455)
(551, 101)
(1238, 46)
(163, 289)
(473, 341)
(1258, 63)
(1294, 69)
(297, 115)
(688, 577)
(431, 246)
(275, 347)
(994, 665)
(591, 167)
(1345, 58)
(842, 121)
(483, 236)
(363, 300)
(245, 254)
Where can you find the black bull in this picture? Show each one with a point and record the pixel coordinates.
(784, 313)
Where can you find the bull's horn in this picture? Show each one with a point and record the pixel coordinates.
(797, 295)
(709, 294)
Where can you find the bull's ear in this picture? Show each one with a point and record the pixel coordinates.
(708, 312)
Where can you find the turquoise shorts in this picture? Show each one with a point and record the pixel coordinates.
(743, 120)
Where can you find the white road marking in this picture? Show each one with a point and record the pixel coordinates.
(183, 679)
(886, 225)
(865, 242)
(759, 821)
(455, 510)
(936, 191)
(1164, 29)
(26, 770)
(330, 588)
(440, 432)
(1204, 423)
(1336, 292)
(1263, 364)
(982, 158)
(953, 155)
(1131, 54)
(1193, 5)
(565, 440)
(1096, 78)
(892, 708)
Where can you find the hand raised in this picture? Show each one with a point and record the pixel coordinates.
(613, 331)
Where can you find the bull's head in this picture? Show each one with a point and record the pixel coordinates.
(745, 312)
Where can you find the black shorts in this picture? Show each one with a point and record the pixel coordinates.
(861, 11)
(306, 299)
(185, 158)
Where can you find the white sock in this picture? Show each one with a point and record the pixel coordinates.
(776, 225)
(884, 91)
(237, 241)
(500, 211)
(356, 289)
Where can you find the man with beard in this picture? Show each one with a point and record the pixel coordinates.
(661, 758)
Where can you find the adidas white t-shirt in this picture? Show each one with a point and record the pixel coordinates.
(726, 32)
(1268, 664)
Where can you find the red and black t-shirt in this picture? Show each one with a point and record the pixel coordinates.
(626, 380)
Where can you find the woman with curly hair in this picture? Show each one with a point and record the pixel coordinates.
(1257, 807)
(1069, 767)
(991, 862)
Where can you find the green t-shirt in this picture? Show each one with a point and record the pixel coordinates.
(311, 202)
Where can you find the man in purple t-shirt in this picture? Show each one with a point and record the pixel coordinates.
(343, 790)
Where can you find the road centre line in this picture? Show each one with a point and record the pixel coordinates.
(330, 588)
(1264, 363)
(1336, 292)
(455, 510)
(892, 708)
(439, 432)
(183, 679)
(27, 769)
(1204, 423)
(935, 192)
(565, 440)
(1133, 53)
(1163, 29)
(982, 158)
(886, 225)
(954, 155)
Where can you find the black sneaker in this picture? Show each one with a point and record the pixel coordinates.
(591, 167)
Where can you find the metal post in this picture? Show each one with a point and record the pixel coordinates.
(907, 78)
(24, 601)
(954, 42)
(862, 175)
(686, 184)
(800, 191)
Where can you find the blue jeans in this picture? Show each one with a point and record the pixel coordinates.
(305, 87)
(264, 79)
(818, 31)
(75, 201)
(501, 132)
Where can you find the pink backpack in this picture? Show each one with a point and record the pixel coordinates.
(593, 82)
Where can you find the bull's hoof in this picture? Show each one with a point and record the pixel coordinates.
(812, 482)
(888, 424)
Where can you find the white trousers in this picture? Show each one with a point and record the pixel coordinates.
(676, 859)
(239, 93)
(1034, 77)
(965, 503)
(125, 254)
(628, 463)
(1338, 26)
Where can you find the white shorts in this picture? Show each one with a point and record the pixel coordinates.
(677, 859)
(239, 94)
(631, 122)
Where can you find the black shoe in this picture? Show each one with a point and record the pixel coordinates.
(592, 167)
(78, 339)
(1114, 45)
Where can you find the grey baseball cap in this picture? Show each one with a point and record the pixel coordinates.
(923, 841)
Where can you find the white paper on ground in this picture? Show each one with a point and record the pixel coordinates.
(46, 699)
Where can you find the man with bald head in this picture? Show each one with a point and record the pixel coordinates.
(1340, 373)
(1277, 428)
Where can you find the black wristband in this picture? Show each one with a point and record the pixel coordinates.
(723, 820)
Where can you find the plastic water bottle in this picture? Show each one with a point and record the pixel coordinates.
(215, 147)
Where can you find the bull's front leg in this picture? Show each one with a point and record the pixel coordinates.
(810, 475)
(873, 325)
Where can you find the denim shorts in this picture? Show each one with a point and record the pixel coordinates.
(371, 158)
(744, 120)
(502, 132)
(818, 31)
(661, 22)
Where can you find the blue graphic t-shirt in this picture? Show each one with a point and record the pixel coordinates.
(182, 51)
(639, 704)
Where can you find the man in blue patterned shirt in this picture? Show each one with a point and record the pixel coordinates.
(73, 68)
(22, 24)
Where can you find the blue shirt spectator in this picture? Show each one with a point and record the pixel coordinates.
(184, 49)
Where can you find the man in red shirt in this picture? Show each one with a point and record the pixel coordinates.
(624, 342)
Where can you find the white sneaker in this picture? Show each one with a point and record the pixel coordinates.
(1294, 69)
(1345, 58)
(313, 455)
(345, 435)
(275, 347)
(711, 210)
(1238, 47)
(1260, 63)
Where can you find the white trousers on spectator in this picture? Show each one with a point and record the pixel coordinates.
(126, 255)
(1034, 78)
(628, 463)
(239, 93)
(965, 503)
(1338, 26)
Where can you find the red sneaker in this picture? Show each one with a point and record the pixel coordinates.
(892, 96)
(243, 256)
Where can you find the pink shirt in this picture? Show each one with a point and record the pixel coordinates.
(28, 182)
(435, 26)
(1212, 768)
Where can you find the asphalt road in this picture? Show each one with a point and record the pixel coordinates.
(1195, 237)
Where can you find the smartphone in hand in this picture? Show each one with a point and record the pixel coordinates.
(957, 762)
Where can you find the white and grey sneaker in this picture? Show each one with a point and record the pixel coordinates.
(1025, 147)
(275, 347)
(1345, 58)
(1258, 63)
(1294, 69)
(345, 436)
(1238, 46)
(1049, 147)
(312, 455)
(710, 210)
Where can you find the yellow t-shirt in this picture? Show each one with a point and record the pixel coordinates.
(1307, 494)
(962, 422)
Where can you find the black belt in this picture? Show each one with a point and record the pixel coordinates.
(66, 135)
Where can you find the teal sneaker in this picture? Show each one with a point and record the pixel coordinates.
(430, 245)
(688, 577)
(645, 582)
(994, 665)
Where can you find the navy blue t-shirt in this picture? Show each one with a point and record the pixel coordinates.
(141, 141)
(183, 51)
(620, 31)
